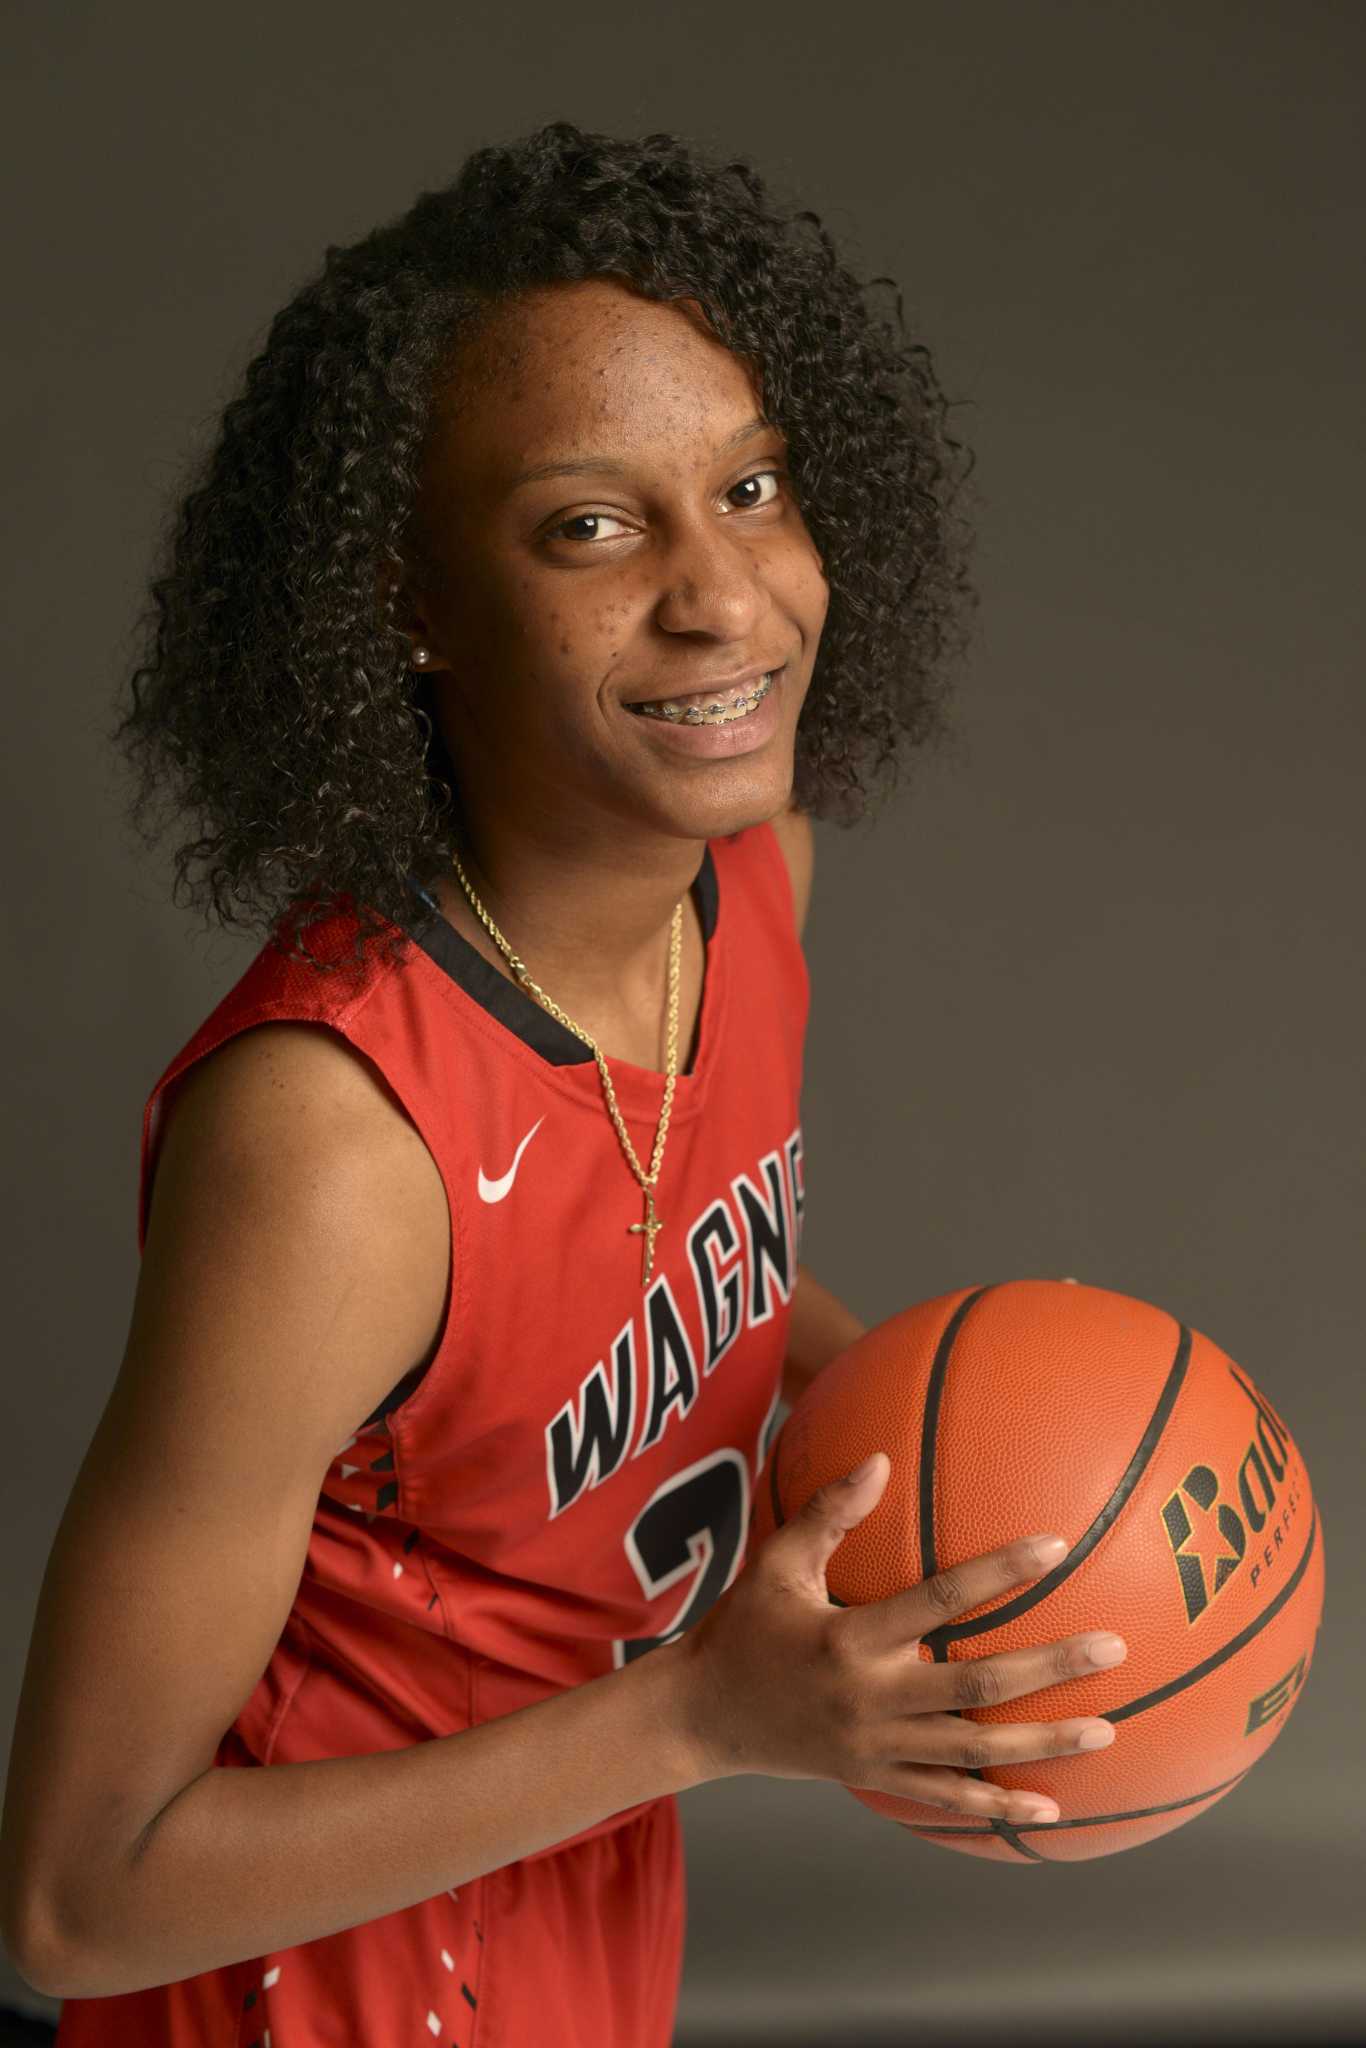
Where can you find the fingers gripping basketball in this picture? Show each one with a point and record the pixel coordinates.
(1189, 1523)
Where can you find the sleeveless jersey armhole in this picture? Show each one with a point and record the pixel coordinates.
(769, 838)
(770, 860)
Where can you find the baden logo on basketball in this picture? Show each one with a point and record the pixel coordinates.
(1209, 1546)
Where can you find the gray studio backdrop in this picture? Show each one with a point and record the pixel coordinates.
(1087, 996)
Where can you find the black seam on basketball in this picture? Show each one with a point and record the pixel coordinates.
(927, 1436)
(955, 1631)
(929, 1431)
(915, 1827)
(1002, 1829)
(1008, 1834)
(1230, 1649)
(1093, 1820)
(1100, 1820)
(995, 1826)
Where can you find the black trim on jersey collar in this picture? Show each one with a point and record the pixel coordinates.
(504, 999)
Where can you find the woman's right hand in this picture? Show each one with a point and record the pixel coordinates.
(788, 1685)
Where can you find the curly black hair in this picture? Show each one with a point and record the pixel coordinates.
(274, 704)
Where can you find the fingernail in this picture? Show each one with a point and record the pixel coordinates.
(1043, 1810)
(1099, 1737)
(1107, 1649)
(860, 1471)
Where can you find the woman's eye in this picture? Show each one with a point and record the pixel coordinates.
(758, 477)
(596, 519)
(581, 519)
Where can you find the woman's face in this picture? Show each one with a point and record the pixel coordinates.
(673, 557)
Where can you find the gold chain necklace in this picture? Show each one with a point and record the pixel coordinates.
(652, 1225)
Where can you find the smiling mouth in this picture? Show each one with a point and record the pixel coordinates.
(728, 709)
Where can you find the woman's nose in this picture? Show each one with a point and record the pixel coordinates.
(710, 584)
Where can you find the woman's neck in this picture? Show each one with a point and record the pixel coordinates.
(593, 927)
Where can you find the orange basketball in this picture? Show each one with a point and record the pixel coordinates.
(1042, 1405)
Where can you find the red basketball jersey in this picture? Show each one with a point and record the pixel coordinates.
(568, 1482)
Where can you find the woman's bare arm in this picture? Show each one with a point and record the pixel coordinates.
(295, 1268)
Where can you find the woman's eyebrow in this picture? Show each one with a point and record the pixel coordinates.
(604, 465)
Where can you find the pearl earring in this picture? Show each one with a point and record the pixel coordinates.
(419, 655)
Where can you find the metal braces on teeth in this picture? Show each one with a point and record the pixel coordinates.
(700, 714)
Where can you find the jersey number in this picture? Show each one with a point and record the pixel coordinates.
(691, 1533)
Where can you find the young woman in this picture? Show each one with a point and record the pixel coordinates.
(575, 539)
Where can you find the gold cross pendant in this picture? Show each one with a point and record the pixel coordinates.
(651, 1227)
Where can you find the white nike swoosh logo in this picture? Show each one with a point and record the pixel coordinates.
(494, 1190)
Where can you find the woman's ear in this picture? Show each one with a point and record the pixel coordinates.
(395, 592)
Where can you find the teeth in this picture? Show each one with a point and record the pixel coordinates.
(679, 713)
